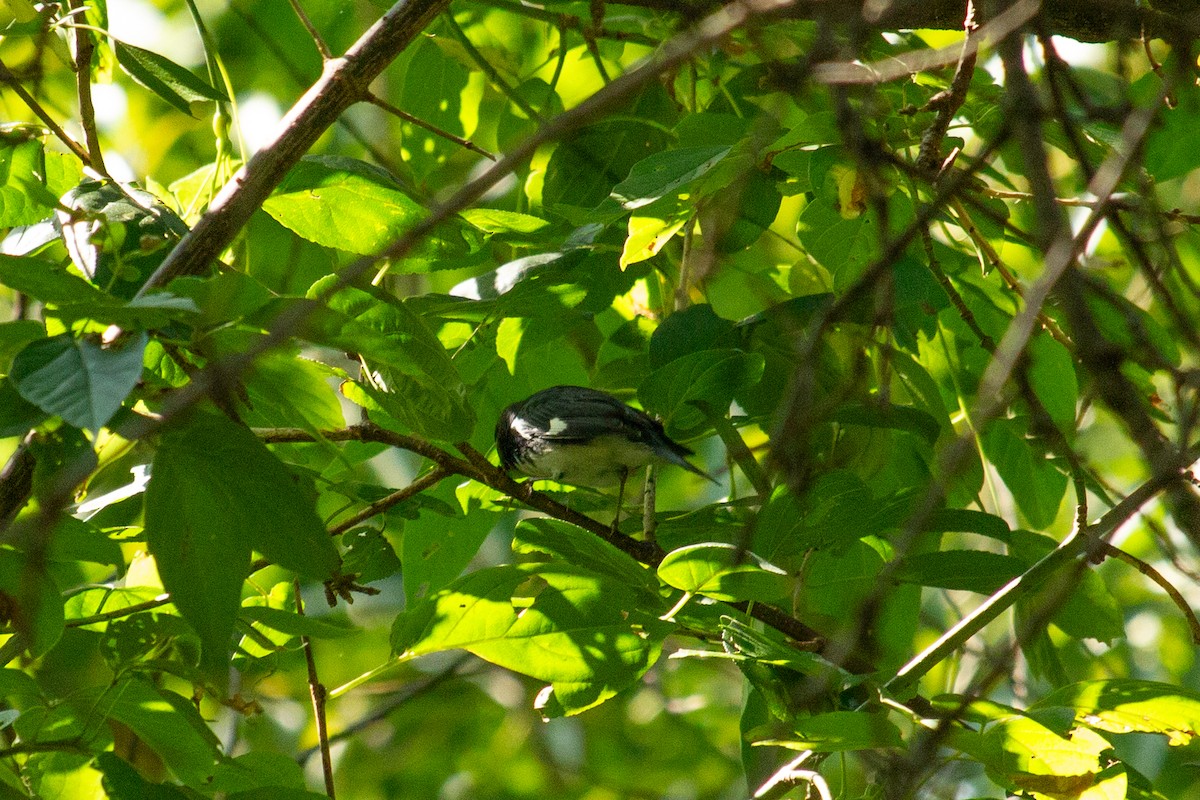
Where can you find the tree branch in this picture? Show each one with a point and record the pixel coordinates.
(344, 82)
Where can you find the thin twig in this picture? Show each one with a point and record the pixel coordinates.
(1150, 572)
(10, 80)
(317, 690)
(487, 69)
(568, 21)
(949, 101)
(395, 498)
(994, 261)
(84, 47)
(315, 34)
(429, 126)
(118, 613)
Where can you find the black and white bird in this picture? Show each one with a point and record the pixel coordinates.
(584, 437)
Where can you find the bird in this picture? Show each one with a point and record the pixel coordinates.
(584, 437)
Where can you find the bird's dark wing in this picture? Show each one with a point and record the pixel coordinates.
(578, 414)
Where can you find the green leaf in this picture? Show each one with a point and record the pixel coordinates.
(117, 234)
(694, 329)
(887, 415)
(413, 378)
(173, 83)
(1021, 746)
(215, 494)
(1052, 378)
(583, 633)
(724, 572)
(169, 725)
(17, 415)
(842, 245)
(122, 782)
(15, 335)
(436, 548)
(77, 540)
(78, 380)
(498, 222)
(324, 627)
(711, 377)
(432, 90)
(1123, 705)
(344, 204)
(839, 731)
(576, 546)
(287, 390)
(32, 601)
(369, 555)
(650, 229)
(108, 600)
(586, 165)
(1037, 485)
(665, 173)
(46, 281)
(150, 638)
(259, 769)
(24, 198)
(828, 515)
(972, 570)
(967, 520)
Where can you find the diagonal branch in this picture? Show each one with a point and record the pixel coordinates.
(343, 82)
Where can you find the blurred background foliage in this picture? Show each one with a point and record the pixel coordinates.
(812, 270)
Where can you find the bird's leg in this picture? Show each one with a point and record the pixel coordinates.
(624, 473)
(648, 520)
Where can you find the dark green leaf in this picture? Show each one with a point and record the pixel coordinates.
(586, 165)
(694, 329)
(901, 418)
(967, 520)
(17, 415)
(173, 83)
(711, 377)
(369, 555)
(122, 782)
(169, 725)
(972, 570)
(215, 494)
(117, 234)
(830, 514)
(78, 380)
(664, 173)
(33, 604)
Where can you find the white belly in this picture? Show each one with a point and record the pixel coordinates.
(597, 463)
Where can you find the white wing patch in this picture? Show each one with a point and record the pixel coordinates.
(557, 426)
(524, 429)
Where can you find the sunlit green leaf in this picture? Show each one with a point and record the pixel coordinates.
(723, 571)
